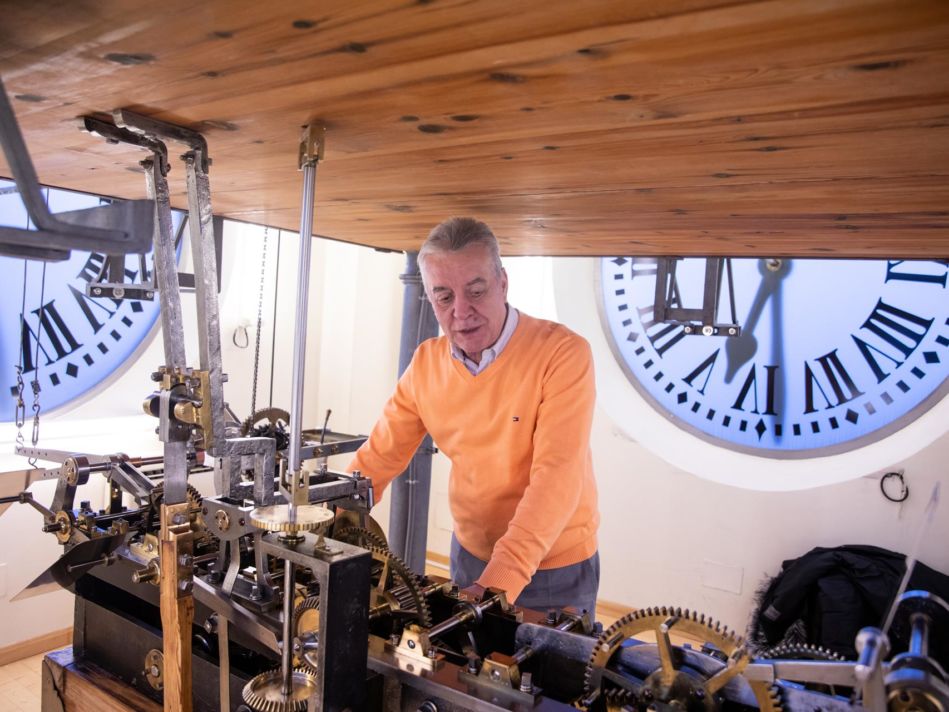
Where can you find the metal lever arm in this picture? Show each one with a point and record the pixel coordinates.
(119, 228)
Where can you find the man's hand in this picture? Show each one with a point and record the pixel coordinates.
(474, 592)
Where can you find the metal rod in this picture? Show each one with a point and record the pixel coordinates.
(299, 337)
(286, 652)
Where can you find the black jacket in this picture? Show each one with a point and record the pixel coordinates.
(836, 592)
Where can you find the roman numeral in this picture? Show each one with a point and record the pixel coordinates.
(85, 304)
(751, 386)
(895, 271)
(900, 329)
(664, 338)
(57, 334)
(838, 378)
(706, 365)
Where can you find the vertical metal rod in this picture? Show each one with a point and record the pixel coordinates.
(299, 336)
(206, 283)
(224, 664)
(286, 653)
(166, 272)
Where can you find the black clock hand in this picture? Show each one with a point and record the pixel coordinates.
(741, 349)
(777, 355)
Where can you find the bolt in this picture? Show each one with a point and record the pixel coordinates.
(495, 675)
(97, 291)
(394, 639)
(432, 653)
(551, 616)
(688, 330)
(178, 519)
(154, 671)
(647, 695)
(707, 330)
(149, 295)
(527, 684)
(732, 331)
(255, 594)
(700, 694)
(185, 586)
(210, 625)
(411, 645)
(118, 293)
(185, 560)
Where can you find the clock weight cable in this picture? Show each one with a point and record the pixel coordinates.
(20, 414)
(260, 318)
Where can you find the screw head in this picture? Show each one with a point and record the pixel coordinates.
(495, 675)
(411, 645)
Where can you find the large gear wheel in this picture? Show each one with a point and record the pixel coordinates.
(669, 683)
(263, 692)
(396, 589)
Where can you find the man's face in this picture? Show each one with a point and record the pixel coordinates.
(468, 297)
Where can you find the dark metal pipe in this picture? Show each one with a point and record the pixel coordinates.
(408, 518)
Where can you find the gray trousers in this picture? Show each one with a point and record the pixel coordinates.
(575, 585)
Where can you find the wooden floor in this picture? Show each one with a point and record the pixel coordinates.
(20, 684)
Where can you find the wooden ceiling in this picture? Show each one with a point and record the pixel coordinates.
(588, 127)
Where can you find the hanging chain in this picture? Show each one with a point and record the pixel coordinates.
(36, 362)
(260, 318)
(20, 408)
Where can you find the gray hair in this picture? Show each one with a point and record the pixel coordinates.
(456, 234)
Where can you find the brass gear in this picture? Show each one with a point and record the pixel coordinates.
(347, 519)
(668, 683)
(263, 692)
(157, 495)
(396, 588)
(276, 518)
(306, 625)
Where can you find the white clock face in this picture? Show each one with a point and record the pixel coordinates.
(832, 354)
(70, 341)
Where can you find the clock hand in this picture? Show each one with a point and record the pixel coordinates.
(777, 353)
(741, 349)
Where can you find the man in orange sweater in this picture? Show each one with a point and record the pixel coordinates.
(509, 399)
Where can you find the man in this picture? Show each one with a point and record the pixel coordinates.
(509, 399)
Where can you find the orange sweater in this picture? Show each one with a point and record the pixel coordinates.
(522, 491)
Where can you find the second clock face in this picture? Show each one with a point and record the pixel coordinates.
(832, 353)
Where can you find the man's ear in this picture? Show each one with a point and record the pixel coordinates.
(504, 282)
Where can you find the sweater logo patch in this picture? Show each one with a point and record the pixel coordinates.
(516, 418)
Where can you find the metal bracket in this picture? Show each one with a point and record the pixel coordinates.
(668, 307)
(120, 228)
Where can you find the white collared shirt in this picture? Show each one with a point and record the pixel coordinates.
(490, 354)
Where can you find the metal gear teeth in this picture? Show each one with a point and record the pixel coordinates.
(358, 536)
(410, 580)
(611, 639)
(617, 698)
(259, 703)
(801, 651)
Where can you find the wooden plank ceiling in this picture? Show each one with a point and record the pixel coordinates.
(687, 127)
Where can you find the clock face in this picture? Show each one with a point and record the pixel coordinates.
(74, 341)
(832, 353)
